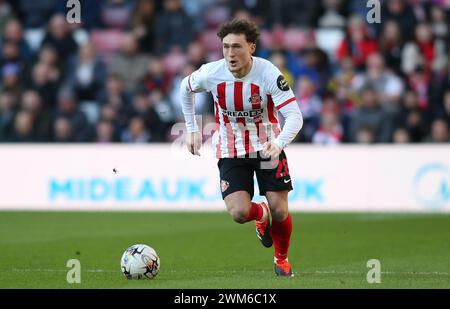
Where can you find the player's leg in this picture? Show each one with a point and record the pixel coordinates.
(237, 186)
(274, 182)
(239, 206)
(281, 230)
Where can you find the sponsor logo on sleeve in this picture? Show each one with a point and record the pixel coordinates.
(282, 83)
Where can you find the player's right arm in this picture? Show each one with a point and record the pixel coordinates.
(195, 82)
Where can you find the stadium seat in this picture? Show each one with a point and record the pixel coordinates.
(81, 36)
(210, 41)
(296, 39)
(216, 15)
(34, 38)
(266, 38)
(173, 62)
(106, 42)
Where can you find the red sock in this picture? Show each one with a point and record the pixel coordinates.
(255, 213)
(281, 235)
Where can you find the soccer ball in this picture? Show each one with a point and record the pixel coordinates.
(140, 262)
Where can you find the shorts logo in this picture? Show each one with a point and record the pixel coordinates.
(282, 83)
(224, 185)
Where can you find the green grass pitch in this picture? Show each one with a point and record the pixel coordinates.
(208, 250)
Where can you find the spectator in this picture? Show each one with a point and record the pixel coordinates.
(310, 104)
(129, 64)
(342, 85)
(401, 136)
(143, 24)
(136, 132)
(357, 44)
(411, 118)
(279, 60)
(314, 64)
(14, 34)
(60, 37)
(23, 128)
(109, 113)
(391, 45)
(86, 73)
(196, 55)
(195, 10)
(173, 27)
(105, 132)
(10, 56)
(157, 78)
(439, 132)
(203, 101)
(6, 14)
(115, 96)
(63, 131)
(440, 84)
(49, 56)
(439, 24)
(425, 51)
(35, 14)
(261, 11)
(330, 131)
(44, 83)
(419, 82)
(68, 109)
(445, 109)
(371, 117)
(32, 103)
(365, 135)
(388, 86)
(144, 108)
(162, 106)
(420, 9)
(11, 80)
(399, 11)
(7, 116)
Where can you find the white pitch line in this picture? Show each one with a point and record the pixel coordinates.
(316, 272)
(61, 270)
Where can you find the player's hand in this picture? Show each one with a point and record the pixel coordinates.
(271, 150)
(194, 142)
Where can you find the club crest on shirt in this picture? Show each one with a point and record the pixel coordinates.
(255, 99)
(282, 83)
(224, 185)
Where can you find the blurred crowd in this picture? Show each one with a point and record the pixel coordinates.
(115, 77)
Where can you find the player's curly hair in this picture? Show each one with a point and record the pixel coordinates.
(240, 26)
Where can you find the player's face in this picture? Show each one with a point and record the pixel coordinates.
(238, 53)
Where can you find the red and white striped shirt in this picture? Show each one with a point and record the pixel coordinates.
(245, 108)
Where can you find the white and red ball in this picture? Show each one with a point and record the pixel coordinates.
(140, 262)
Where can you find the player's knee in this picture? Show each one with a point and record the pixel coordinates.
(238, 215)
(279, 214)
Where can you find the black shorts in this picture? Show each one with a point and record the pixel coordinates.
(236, 174)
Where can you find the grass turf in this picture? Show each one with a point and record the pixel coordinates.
(208, 250)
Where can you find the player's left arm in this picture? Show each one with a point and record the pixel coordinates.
(285, 101)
